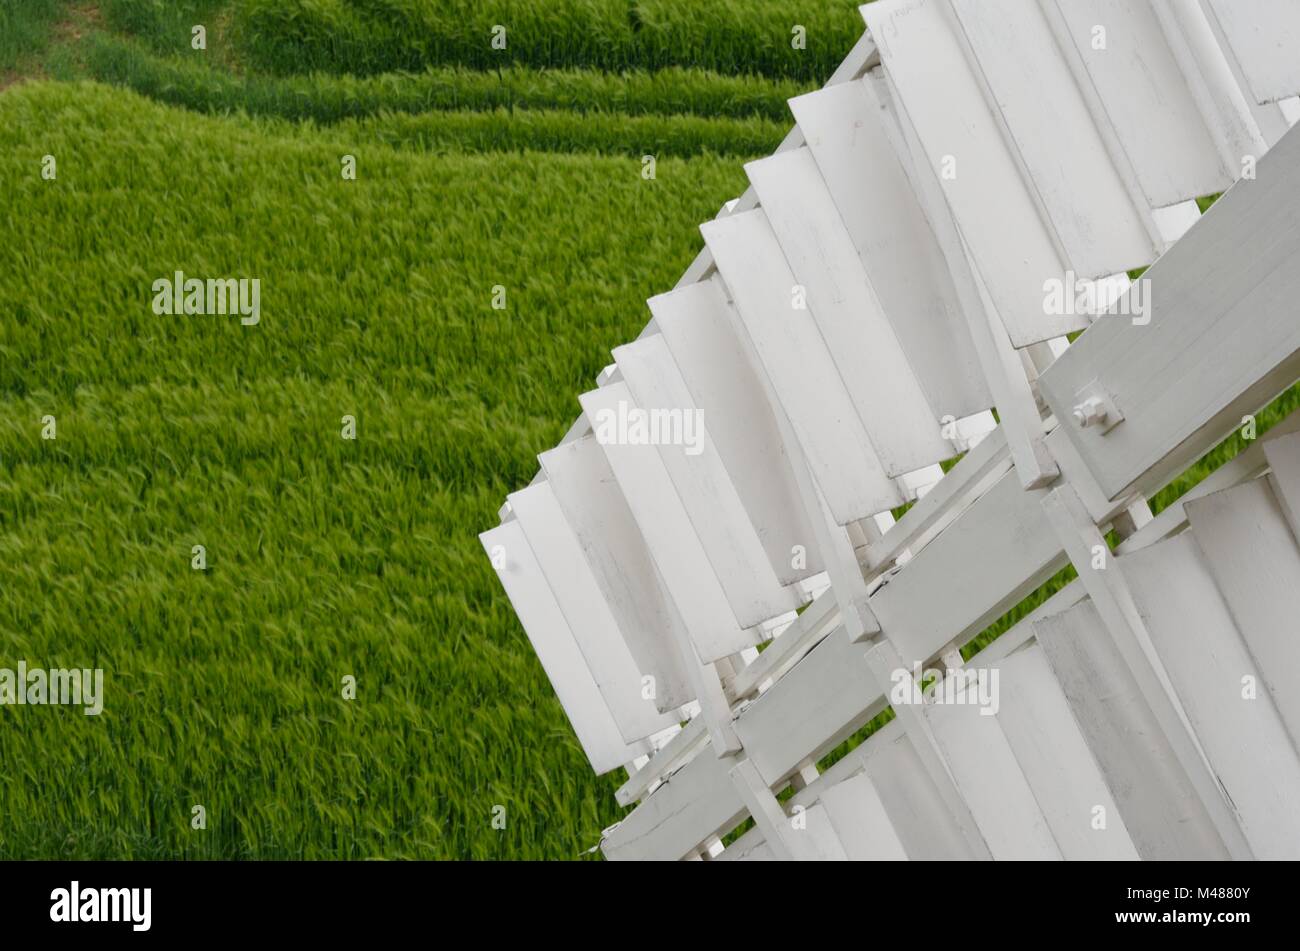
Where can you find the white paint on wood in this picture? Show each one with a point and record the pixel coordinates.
(991, 782)
(750, 847)
(821, 701)
(1250, 463)
(1016, 402)
(926, 828)
(1013, 247)
(1204, 64)
(580, 599)
(1174, 222)
(860, 821)
(974, 475)
(707, 493)
(1255, 561)
(999, 550)
(1244, 740)
(785, 841)
(697, 801)
(1147, 100)
(1283, 457)
(1054, 757)
(1051, 128)
(668, 533)
(791, 646)
(617, 554)
(558, 652)
(1234, 277)
(889, 671)
(894, 241)
(803, 374)
(676, 751)
(1264, 36)
(1160, 809)
(904, 429)
(726, 387)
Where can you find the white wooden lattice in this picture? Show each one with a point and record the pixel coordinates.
(855, 315)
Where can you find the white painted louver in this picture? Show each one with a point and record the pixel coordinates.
(724, 385)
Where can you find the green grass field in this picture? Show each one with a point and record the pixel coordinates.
(326, 557)
(329, 557)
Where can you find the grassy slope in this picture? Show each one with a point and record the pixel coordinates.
(368, 36)
(190, 78)
(25, 28)
(326, 557)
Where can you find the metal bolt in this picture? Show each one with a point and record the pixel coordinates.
(1090, 412)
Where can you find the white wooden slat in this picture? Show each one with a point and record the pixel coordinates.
(667, 530)
(1011, 244)
(750, 847)
(818, 827)
(1234, 276)
(617, 554)
(803, 633)
(802, 372)
(1054, 757)
(1023, 631)
(679, 749)
(991, 782)
(1243, 739)
(888, 668)
(904, 429)
(925, 827)
(1173, 221)
(1264, 36)
(712, 503)
(785, 841)
(974, 475)
(818, 703)
(1161, 812)
(1255, 561)
(580, 599)
(1001, 365)
(1283, 457)
(1248, 464)
(1274, 118)
(1146, 98)
(1215, 87)
(725, 385)
(997, 552)
(1052, 128)
(697, 801)
(1111, 590)
(861, 824)
(894, 241)
(557, 650)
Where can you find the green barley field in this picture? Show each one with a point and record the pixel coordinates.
(126, 155)
(327, 557)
